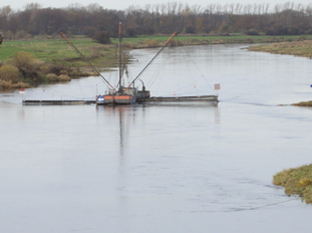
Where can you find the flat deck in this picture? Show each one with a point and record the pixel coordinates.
(179, 99)
(58, 102)
(205, 98)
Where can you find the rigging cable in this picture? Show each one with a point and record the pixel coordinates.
(202, 75)
(264, 206)
(86, 60)
(161, 49)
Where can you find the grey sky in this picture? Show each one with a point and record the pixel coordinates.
(124, 4)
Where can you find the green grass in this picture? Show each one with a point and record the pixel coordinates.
(235, 37)
(142, 41)
(59, 51)
(297, 181)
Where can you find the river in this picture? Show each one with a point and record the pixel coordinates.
(180, 168)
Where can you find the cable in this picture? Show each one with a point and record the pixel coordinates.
(264, 206)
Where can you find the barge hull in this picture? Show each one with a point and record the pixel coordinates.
(205, 98)
(151, 100)
(58, 102)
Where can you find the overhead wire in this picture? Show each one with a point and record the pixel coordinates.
(202, 76)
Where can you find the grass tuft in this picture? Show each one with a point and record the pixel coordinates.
(296, 181)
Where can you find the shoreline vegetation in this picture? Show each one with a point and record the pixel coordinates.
(296, 181)
(301, 48)
(31, 62)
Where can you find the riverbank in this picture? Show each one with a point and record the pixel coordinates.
(51, 60)
(56, 61)
(303, 104)
(296, 48)
(296, 181)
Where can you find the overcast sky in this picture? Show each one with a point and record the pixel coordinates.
(124, 4)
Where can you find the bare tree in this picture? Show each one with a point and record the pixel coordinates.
(94, 8)
(33, 6)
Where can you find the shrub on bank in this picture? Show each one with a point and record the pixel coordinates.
(296, 181)
(5, 85)
(174, 43)
(10, 73)
(153, 43)
(29, 66)
(63, 78)
(53, 78)
(303, 104)
(10, 77)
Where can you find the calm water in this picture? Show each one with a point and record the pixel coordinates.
(161, 168)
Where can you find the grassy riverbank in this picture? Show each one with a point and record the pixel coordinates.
(53, 57)
(27, 63)
(303, 104)
(297, 48)
(145, 41)
(297, 181)
(57, 49)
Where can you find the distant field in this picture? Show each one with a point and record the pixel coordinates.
(204, 39)
(59, 51)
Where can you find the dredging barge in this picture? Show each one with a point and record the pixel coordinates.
(150, 100)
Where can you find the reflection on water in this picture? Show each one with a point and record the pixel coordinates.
(155, 168)
(122, 113)
(125, 116)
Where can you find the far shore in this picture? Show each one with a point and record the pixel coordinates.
(55, 61)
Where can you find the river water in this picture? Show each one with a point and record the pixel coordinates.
(185, 168)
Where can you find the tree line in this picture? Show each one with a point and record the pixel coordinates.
(214, 19)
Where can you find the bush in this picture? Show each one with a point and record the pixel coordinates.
(28, 66)
(48, 68)
(22, 35)
(174, 43)
(51, 78)
(64, 78)
(9, 84)
(153, 43)
(23, 60)
(74, 73)
(10, 73)
(102, 37)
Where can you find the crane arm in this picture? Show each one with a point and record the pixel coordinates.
(86, 60)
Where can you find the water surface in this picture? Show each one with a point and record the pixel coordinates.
(161, 168)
